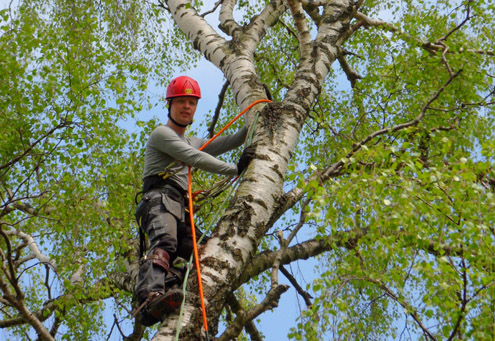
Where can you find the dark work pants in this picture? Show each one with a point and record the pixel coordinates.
(168, 228)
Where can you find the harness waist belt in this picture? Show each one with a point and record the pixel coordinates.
(156, 182)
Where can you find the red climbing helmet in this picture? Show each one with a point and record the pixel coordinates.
(183, 86)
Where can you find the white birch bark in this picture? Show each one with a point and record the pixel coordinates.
(248, 218)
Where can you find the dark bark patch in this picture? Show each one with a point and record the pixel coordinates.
(259, 231)
(263, 157)
(261, 203)
(237, 254)
(198, 40)
(272, 119)
(276, 170)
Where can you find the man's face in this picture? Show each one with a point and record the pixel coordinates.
(182, 109)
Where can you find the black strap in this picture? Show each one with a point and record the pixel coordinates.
(142, 238)
(177, 123)
(142, 246)
(156, 181)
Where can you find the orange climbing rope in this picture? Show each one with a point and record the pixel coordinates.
(191, 212)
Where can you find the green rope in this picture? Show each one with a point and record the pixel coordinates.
(251, 132)
(190, 262)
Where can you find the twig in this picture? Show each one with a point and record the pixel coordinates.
(284, 243)
(269, 302)
(464, 301)
(304, 294)
(250, 326)
(468, 12)
(27, 150)
(409, 310)
(215, 6)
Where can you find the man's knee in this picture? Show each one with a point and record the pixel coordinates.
(162, 232)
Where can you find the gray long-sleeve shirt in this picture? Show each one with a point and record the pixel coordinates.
(166, 146)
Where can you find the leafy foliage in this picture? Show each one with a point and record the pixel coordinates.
(74, 72)
(394, 160)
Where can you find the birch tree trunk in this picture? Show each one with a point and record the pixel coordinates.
(259, 198)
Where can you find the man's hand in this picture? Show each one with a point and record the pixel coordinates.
(245, 159)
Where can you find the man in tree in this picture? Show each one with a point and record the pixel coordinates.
(162, 211)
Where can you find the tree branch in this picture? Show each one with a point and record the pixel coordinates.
(32, 145)
(464, 301)
(269, 302)
(431, 47)
(227, 22)
(340, 239)
(215, 6)
(407, 307)
(304, 294)
(249, 326)
(257, 28)
(55, 304)
(33, 247)
(284, 243)
(352, 75)
(302, 28)
(17, 300)
(221, 98)
(311, 7)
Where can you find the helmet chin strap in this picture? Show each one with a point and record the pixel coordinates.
(177, 123)
(174, 121)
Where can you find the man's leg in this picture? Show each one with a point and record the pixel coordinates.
(153, 296)
(185, 239)
(158, 292)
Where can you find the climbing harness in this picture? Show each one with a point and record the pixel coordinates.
(191, 212)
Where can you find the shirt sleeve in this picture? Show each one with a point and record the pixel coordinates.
(223, 144)
(167, 141)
